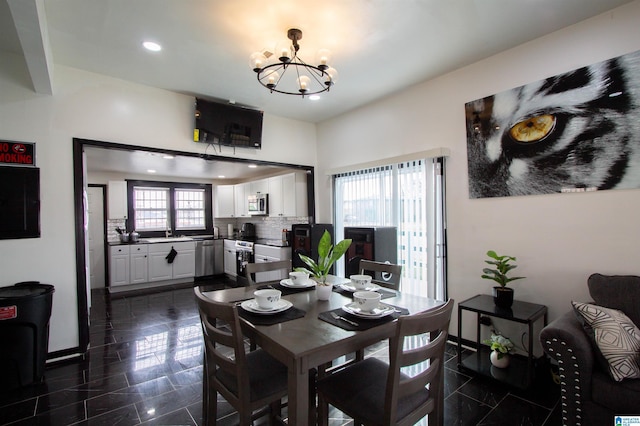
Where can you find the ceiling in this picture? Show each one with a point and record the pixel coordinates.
(379, 46)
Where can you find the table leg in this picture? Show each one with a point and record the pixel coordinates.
(298, 395)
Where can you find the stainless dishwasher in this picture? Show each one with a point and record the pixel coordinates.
(209, 256)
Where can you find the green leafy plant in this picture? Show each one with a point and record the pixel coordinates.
(500, 344)
(502, 267)
(327, 256)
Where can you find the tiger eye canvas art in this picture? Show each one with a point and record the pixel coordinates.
(574, 132)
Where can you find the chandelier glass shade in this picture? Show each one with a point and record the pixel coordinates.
(285, 72)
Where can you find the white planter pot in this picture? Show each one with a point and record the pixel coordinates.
(323, 292)
(500, 363)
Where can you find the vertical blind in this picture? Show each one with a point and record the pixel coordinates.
(410, 196)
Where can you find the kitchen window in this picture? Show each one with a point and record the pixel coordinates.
(180, 208)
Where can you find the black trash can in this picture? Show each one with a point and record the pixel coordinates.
(25, 310)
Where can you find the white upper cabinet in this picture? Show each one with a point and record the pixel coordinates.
(288, 195)
(259, 187)
(241, 191)
(224, 201)
(117, 199)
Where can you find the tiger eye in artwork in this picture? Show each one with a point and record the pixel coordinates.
(533, 129)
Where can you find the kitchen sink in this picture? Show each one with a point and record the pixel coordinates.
(165, 239)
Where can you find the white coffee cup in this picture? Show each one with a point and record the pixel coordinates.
(360, 282)
(367, 301)
(299, 278)
(267, 298)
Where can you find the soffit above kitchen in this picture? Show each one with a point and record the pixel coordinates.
(378, 46)
(181, 167)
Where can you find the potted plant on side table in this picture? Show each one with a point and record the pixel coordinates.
(327, 256)
(502, 295)
(500, 348)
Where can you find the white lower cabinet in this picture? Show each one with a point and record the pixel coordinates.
(148, 263)
(230, 258)
(139, 264)
(264, 253)
(183, 265)
(118, 265)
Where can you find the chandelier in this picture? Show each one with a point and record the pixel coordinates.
(289, 74)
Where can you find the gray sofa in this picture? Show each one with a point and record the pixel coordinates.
(589, 395)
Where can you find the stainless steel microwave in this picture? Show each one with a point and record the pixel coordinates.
(258, 204)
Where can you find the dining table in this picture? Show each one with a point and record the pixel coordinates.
(308, 337)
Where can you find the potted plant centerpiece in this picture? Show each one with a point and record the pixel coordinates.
(500, 348)
(327, 256)
(502, 295)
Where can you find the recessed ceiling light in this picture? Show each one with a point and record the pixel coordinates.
(314, 97)
(152, 46)
(168, 157)
(221, 176)
(151, 171)
(252, 166)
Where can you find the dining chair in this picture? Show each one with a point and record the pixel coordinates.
(249, 381)
(373, 392)
(278, 265)
(384, 274)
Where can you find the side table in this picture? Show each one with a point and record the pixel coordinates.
(520, 372)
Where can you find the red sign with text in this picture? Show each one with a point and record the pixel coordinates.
(17, 153)
(8, 312)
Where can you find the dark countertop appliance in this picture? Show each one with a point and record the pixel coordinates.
(248, 231)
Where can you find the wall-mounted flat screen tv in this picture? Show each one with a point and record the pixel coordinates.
(226, 124)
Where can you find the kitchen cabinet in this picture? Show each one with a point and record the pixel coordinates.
(240, 193)
(183, 266)
(230, 257)
(264, 253)
(259, 187)
(288, 195)
(138, 264)
(117, 199)
(118, 265)
(224, 201)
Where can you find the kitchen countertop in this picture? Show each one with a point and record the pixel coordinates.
(158, 240)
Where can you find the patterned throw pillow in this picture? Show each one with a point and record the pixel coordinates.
(616, 337)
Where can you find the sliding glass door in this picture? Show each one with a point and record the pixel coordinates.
(409, 196)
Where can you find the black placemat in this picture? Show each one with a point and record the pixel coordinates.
(288, 290)
(261, 319)
(363, 323)
(385, 293)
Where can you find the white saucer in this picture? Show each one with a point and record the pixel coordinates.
(381, 311)
(351, 288)
(252, 306)
(288, 283)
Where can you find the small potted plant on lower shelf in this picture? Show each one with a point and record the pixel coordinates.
(327, 256)
(502, 295)
(500, 348)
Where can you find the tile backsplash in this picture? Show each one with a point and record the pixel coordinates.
(266, 227)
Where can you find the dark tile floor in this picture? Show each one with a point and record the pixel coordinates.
(145, 367)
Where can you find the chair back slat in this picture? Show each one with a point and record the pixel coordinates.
(252, 268)
(435, 324)
(384, 274)
(224, 347)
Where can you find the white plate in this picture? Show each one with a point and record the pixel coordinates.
(381, 311)
(252, 306)
(352, 289)
(288, 283)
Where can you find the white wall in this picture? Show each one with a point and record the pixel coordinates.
(91, 106)
(559, 240)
